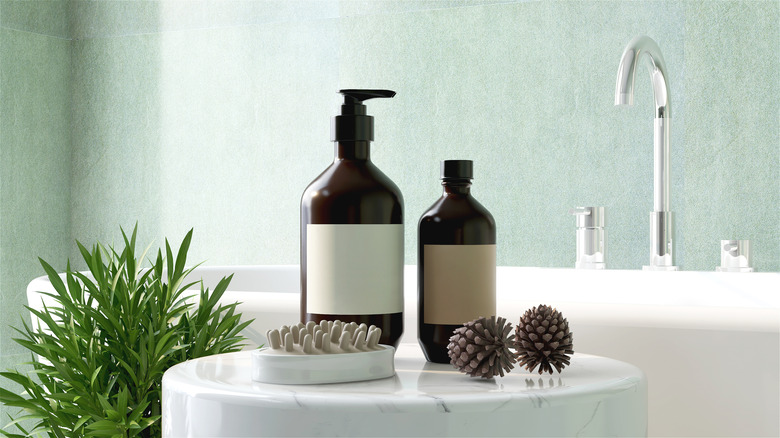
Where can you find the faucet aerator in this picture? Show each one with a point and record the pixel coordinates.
(624, 99)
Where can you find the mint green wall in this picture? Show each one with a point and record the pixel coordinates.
(216, 115)
(34, 152)
(34, 156)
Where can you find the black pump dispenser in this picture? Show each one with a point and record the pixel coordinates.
(352, 231)
(353, 124)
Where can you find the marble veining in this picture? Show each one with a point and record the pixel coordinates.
(595, 411)
(215, 396)
(441, 403)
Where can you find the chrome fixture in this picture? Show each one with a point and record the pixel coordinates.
(591, 237)
(735, 256)
(661, 218)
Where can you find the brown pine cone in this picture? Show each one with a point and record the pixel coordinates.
(481, 347)
(543, 339)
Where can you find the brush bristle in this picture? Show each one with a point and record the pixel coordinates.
(327, 337)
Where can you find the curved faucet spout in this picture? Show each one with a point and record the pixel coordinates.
(661, 218)
(624, 90)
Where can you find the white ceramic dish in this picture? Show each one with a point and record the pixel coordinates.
(269, 366)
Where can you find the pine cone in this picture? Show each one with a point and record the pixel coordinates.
(543, 339)
(481, 347)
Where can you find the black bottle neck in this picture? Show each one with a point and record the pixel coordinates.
(353, 150)
(457, 186)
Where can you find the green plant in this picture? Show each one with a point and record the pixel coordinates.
(104, 347)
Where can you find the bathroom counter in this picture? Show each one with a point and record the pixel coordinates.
(595, 396)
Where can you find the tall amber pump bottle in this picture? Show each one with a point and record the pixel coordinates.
(456, 262)
(352, 237)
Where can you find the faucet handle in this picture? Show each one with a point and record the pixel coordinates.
(734, 256)
(591, 238)
(588, 217)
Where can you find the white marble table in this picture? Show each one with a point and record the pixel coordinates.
(595, 396)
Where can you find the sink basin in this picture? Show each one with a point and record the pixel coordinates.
(708, 342)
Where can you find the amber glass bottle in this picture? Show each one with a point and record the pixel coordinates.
(456, 262)
(352, 232)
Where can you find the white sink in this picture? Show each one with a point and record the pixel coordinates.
(708, 342)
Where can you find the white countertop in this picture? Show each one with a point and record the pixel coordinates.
(596, 396)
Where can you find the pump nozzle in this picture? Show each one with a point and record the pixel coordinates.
(353, 124)
(353, 96)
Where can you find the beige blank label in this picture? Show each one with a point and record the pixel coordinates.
(459, 283)
(354, 269)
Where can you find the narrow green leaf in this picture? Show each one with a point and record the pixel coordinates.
(54, 277)
(181, 257)
(169, 261)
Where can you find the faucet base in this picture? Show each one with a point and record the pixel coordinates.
(660, 268)
(661, 241)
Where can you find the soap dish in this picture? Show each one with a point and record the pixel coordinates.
(329, 352)
(270, 367)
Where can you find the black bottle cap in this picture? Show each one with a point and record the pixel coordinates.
(457, 169)
(353, 124)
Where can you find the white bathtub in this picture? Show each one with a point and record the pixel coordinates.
(708, 342)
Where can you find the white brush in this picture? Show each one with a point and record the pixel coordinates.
(328, 352)
(327, 337)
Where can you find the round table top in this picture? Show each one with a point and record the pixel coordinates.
(417, 385)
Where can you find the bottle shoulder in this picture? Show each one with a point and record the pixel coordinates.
(346, 178)
(457, 221)
(346, 193)
(457, 207)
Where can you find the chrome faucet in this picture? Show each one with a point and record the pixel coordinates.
(661, 218)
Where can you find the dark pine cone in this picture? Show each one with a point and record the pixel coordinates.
(543, 339)
(481, 347)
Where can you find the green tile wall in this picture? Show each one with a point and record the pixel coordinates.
(527, 92)
(193, 128)
(34, 156)
(43, 17)
(115, 150)
(732, 141)
(34, 161)
(523, 88)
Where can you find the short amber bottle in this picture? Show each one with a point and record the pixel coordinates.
(456, 262)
